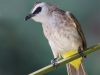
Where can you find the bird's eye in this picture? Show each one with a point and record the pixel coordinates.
(37, 10)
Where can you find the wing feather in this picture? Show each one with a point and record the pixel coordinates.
(78, 27)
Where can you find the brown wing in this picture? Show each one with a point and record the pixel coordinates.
(78, 27)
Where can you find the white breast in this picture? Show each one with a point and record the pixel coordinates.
(61, 38)
(62, 44)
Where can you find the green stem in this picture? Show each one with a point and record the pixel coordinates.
(67, 60)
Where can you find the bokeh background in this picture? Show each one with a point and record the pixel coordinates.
(23, 47)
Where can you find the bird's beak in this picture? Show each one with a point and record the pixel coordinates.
(29, 16)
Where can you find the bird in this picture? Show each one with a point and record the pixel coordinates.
(63, 32)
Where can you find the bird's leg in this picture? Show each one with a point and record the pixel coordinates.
(53, 62)
(81, 52)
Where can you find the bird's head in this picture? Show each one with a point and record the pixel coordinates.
(40, 11)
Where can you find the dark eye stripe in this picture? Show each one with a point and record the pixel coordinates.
(37, 10)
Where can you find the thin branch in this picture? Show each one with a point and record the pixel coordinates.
(67, 60)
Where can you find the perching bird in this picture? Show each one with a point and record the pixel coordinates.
(63, 32)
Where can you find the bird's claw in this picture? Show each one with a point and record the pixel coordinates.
(53, 62)
(81, 52)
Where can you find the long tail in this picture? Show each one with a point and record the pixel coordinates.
(72, 71)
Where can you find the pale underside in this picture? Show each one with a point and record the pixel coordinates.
(61, 34)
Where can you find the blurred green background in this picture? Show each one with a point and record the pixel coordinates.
(23, 47)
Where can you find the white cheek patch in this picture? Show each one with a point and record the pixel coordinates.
(39, 18)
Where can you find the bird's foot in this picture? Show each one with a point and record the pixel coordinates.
(81, 52)
(53, 62)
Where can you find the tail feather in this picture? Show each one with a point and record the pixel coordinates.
(72, 71)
